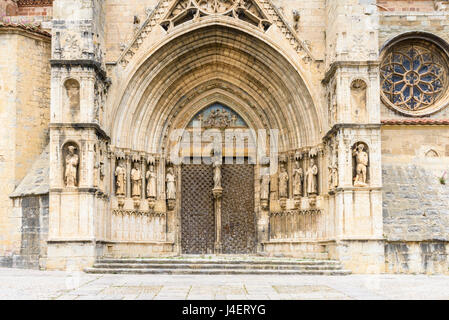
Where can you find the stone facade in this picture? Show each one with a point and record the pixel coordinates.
(352, 93)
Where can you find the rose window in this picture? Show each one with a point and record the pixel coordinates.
(413, 77)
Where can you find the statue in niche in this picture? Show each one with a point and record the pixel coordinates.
(136, 181)
(171, 187)
(311, 176)
(358, 100)
(298, 175)
(217, 174)
(264, 186)
(151, 182)
(120, 173)
(71, 167)
(283, 183)
(361, 160)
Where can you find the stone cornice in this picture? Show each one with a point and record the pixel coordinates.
(35, 3)
(81, 63)
(415, 122)
(339, 126)
(25, 30)
(87, 125)
(341, 64)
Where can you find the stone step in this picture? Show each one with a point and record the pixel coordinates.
(217, 261)
(204, 266)
(215, 271)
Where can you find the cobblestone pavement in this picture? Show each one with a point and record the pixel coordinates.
(33, 284)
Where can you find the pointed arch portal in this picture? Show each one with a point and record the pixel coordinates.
(222, 77)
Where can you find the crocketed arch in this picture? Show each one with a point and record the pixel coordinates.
(214, 63)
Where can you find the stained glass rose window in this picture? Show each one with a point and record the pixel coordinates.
(413, 77)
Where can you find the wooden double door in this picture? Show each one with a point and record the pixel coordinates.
(198, 221)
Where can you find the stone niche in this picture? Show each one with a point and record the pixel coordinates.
(358, 101)
(72, 100)
(70, 165)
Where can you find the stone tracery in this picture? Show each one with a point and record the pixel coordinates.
(413, 76)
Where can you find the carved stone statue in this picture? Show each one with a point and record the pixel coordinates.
(311, 176)
(171, 187)
(361, 158)
(151, 182)
(217, 175)
(264, 186)
(120, 173)
(136, 181)
(298, 175)
(71, 168)
(283, 183)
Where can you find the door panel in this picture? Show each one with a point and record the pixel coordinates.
(197, 209)
(238, 218)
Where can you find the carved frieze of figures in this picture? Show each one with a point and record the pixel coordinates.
(283, 183)
(171, 184)
(298, 176)
(120, 174)
(151, 182)
(71, 167)
(361, 164)
(312, 178)
(136, 181)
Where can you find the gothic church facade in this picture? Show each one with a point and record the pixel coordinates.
(351, 96)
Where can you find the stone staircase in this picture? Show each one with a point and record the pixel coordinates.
(218, 265)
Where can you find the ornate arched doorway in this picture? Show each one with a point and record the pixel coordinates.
(217, 192)
(221, 75)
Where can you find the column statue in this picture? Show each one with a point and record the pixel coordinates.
(171, 187)
(311, 175)
(120, 173)
(151, 182)
(297, 180)
(136, 181)
(283, 183)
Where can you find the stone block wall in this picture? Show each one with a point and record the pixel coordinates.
(33, 214)
(24, 114)
(415, 167)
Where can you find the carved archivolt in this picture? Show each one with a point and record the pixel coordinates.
(260, 13)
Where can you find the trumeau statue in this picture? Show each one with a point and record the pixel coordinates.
(311, 176)
(297, 179)
(120, 173)
(136, 181)
(171, 187)
(217, 174)
(361, 158)
(71, 168)
(283, 183)
(264, 186)
(151, 182)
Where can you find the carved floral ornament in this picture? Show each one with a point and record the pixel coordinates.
(186, 10)
(414, 77)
